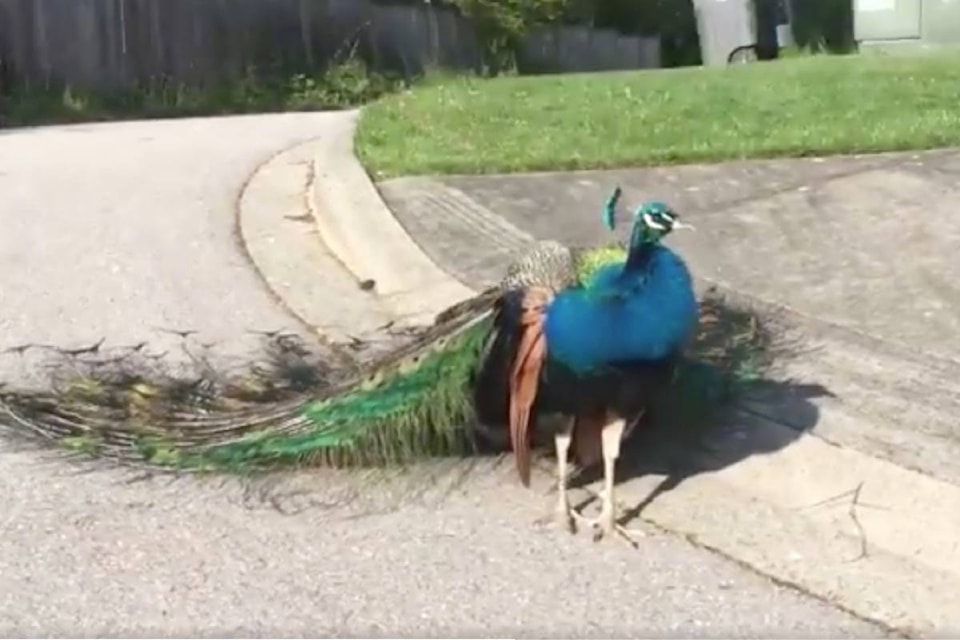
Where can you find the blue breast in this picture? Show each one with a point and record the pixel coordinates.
(624, 314)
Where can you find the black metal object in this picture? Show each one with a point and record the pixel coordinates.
(768, 14)
(743, 54)
(6, 70)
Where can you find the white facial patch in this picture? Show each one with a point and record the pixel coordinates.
(653, 224)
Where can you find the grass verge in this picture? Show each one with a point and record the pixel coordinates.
(794, 107)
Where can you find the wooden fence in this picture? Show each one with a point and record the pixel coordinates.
(126, 43)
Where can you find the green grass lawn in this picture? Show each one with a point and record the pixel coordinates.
(795, 107)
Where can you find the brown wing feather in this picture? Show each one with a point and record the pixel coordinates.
(525, 376)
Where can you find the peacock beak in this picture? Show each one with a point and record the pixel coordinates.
(683, 225)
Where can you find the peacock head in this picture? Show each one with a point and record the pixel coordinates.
(652, 221)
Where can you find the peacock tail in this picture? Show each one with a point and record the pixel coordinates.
(412, 403)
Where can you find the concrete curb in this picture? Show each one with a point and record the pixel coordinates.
(278, 234)
(360, 230)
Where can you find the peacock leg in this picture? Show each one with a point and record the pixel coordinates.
(562, 439)
(610, 438)
(606, 523)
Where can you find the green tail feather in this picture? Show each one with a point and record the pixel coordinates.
(415, 407)
(411, 403)
(416, 411)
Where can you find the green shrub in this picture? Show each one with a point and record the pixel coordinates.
(501, 25)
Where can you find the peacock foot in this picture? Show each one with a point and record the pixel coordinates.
(605, 525)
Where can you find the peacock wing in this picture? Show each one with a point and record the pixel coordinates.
(528, 363)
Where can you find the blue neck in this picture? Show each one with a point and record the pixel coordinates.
(638, 311)
(639, 255)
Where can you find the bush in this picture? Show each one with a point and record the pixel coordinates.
(501, 25)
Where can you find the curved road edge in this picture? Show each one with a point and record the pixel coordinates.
(356, 225)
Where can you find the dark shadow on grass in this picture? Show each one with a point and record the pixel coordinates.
(724, 407)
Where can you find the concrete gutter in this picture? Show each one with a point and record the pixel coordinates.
(360, 230)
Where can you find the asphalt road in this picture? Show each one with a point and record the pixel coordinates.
(116, 230)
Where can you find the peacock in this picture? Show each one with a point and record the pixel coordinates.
(575, 343)
(596, 353)
(410, 403)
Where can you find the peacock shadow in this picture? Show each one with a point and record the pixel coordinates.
(725, 405)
